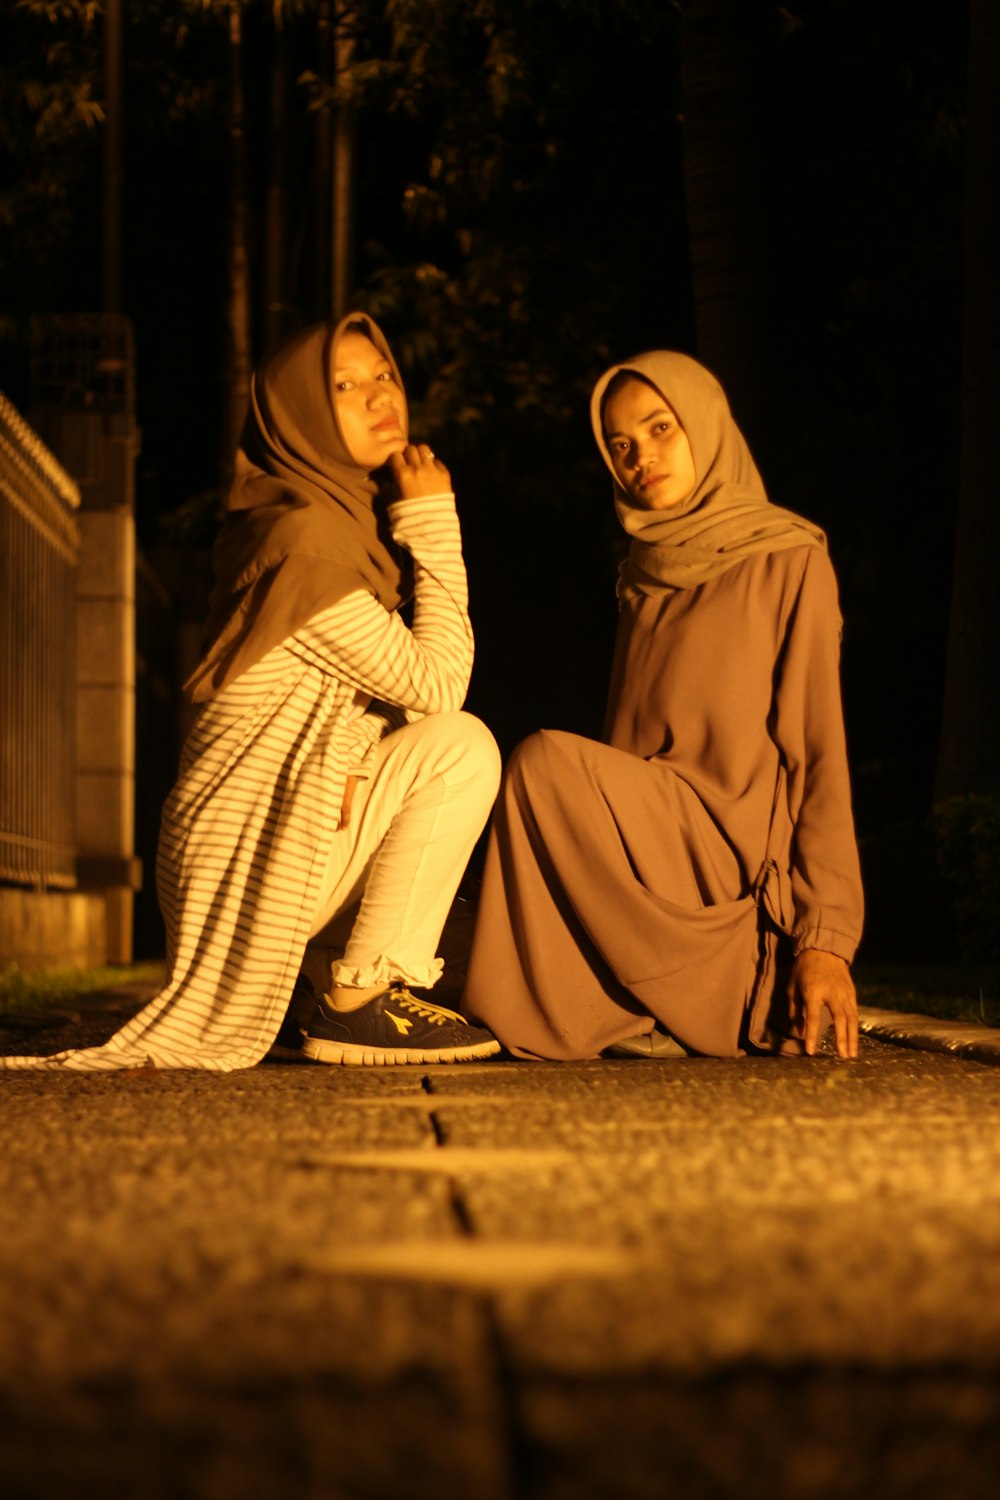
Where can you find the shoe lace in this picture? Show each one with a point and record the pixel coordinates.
(438, 1015)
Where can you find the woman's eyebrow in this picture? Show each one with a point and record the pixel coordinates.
(659, 411)
(383, 364)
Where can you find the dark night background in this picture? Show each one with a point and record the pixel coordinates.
(525, 213)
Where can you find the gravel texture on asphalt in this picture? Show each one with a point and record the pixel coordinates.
(689, 1278)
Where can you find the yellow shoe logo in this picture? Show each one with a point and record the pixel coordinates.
(402, 1025)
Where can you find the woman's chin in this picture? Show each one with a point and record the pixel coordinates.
(376, 462)
(656, 501)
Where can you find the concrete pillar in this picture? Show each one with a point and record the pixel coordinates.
(83, 403)
(105, 718)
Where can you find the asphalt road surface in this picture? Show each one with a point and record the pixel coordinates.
(757, 1279)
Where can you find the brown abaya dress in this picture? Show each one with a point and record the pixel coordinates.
(659, 877)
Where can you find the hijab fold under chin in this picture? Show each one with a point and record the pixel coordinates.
(301, 529)
(727, 516)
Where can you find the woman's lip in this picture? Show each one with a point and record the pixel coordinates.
(652, 479)
(386, 423)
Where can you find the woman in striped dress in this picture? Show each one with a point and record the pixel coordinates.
(330, 776)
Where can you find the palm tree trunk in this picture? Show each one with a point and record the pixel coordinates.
(238, 372)
(322, 170)
(276, 221)
(342, 195)
(113, 136)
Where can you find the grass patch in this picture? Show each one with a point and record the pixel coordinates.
(19, 991)
(951, 992)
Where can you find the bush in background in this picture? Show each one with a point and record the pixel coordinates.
(966, 832)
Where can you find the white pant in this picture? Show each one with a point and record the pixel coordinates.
(395, 868)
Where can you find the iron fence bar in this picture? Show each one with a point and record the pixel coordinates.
(39, 549)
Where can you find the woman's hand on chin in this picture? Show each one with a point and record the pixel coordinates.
(823, 980)
(416, 472)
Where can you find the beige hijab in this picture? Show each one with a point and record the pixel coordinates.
(727, 517)
(301, 529)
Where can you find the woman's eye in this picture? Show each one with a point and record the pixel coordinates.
(662, 427)
(343, 385)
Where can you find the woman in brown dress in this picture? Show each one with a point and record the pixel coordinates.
(696, 871)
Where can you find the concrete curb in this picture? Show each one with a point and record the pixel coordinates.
(966, 1039)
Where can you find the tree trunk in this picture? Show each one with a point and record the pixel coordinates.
(276, 221)
(342, 194)
(238, 373)
(322, 170)
(969, 753)
(113, 154)
(720, 65)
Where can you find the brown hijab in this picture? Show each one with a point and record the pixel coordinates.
(726, 517)
(300, 530)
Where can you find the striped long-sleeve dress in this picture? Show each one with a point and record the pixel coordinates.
(246, 832)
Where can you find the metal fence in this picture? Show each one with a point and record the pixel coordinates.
(39, 552)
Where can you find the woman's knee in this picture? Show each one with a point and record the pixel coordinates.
(464, 748)
(481, 748)
(542, 753)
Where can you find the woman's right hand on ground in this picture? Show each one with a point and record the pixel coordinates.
(822, 981)
(416, 472)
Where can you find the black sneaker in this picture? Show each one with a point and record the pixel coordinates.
(395, 1027)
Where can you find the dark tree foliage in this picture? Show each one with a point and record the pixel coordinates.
(520, 222)
(50, 115)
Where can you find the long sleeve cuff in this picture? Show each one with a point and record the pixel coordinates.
(826, 939)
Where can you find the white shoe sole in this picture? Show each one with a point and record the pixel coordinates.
(380, 1057)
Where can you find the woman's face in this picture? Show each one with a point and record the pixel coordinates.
(371, 408)
(649, 448)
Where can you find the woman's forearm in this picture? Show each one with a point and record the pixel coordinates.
(423, 670)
